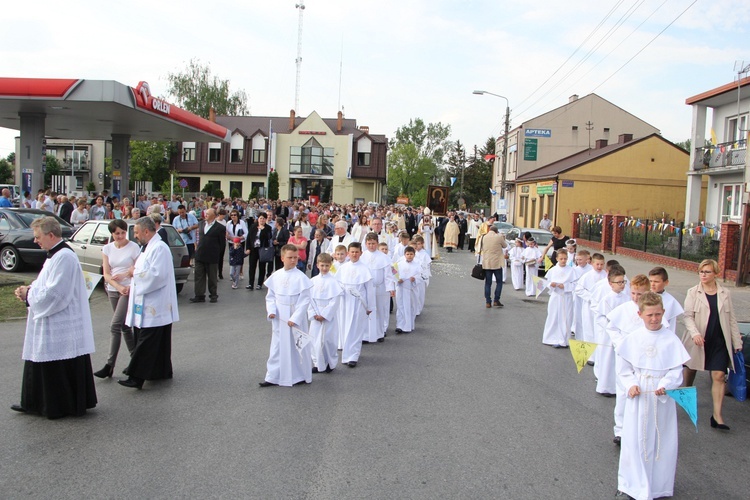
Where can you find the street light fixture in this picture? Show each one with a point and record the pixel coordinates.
(505, 138)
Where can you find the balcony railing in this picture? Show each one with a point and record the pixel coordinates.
(727, 154)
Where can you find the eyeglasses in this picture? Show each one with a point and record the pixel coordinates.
(619, 282)
(705, 272)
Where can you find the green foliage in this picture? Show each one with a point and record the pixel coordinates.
(168, 187)
(235, 193)
(208, 189)
(197, 90)
(273, 186)
(253, 194)
(478, 176)
(6, 171)
(52, 168)
(684, 144)
(218, 194)
(149, 161)
(90, 187)
(11, 158)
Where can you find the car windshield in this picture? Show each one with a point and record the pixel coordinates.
(28, 218)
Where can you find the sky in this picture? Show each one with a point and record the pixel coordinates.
(388, 61)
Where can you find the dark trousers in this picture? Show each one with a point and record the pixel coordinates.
(221, 261)
(461, 238)
(488, 273)
(471, 244)
(254, 264)
(206, 271)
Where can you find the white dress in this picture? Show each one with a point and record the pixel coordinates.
(648, 453)
(325, 295)
(559, 308)
(358, 299)
(288, 298)
(515, 255)
(530, 257)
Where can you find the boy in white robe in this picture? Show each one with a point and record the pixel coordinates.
(531, 255)
(424, 259)
(582, 267)
(409, 275)
(380, 270)
(390, 285)
(515, 255)
(287, 302)
(357, 303)
(605, 382)
(624, 320)
(560, 305)
(659, 280)
(339, 258)
(322, 313)
(598, 292)
(584, 286)
(649, 363)
(398, 249)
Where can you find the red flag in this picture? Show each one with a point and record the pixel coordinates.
(489, 157)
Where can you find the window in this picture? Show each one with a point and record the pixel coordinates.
(363, 159)
(737, 130)
(731, 202)
(311, 158)
(84, 234)
(237, 146)
(523, 209)
(52, 152)
(259, 149)
(188, 151)
(101, 236)
(4, 224)
(214, 152)
(235, 186)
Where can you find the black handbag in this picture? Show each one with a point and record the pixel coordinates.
(266, 253)
(477, 272)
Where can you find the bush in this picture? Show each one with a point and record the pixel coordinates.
(235, 193)
(273, 186)
(90, 187)
(218, 194)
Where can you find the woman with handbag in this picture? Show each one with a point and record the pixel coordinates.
(712, 335)
(236, 228)
(258, 242)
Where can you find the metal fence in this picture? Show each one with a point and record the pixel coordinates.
(590, 227)
(693, 242)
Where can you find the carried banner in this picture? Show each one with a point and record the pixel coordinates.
(547, 263)
(301, 339)
(539, 285)
(581, 352)
(91, 281)
(687, 397)
(394, 270)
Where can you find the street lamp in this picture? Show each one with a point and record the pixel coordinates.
(505, 138)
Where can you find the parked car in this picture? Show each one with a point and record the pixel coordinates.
(17, 245)
(88, 240)
(503, 227)
(541, 236)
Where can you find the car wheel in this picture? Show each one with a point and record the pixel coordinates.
(10, 260)
(179, 287)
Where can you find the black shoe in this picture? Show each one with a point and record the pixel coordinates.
(497, 303)
(315, 369)
(607, 394)
(329, 369)
(249, 287)
(221, 276)
(622, 494)
(617, 440)
(266, 384)
(717, 425)
(213, 300)
(259, 287)
(18, 408)
(399, 331)
(105, 372)
(197, 299)
(381, 339)
(132, 382)
(365, 341)
(590, 363)
(352, 364)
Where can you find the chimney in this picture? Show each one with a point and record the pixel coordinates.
(600, 143)
(572, 98)
(340, 122)
(212, 114)
(291, 120)
(623, 138)
(365, 129)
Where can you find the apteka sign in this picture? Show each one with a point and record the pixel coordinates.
(538, 132)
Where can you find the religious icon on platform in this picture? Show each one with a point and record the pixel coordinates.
(437, 199)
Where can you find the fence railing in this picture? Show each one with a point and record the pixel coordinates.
(694, 242)
(590, 227)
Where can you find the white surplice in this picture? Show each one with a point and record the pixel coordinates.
(424, 260)
(152, 300)
(515, 255)
(560, 307)
(357, 300)
(648, 453)
(578, 272)
(407, 294)
(325, 295)
(584, 287)
(380, 270)
(606, 382)
(288, 298)
(672, 309)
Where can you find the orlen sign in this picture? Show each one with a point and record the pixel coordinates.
(157, 105)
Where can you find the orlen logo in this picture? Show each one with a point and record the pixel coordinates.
(156, 104)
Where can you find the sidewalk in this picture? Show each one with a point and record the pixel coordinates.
(680, 281)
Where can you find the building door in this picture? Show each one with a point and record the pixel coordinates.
(531, 222)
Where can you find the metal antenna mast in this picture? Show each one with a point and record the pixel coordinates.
(301, 7)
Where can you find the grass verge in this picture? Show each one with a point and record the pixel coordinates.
(10, 307)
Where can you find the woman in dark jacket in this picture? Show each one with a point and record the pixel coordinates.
(258, 236)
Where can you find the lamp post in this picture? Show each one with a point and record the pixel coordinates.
(505, 139)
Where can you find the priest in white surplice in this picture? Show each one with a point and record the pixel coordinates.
(649, 362)
(323, 315)
(287, 303)
(57, 375)
(357, 303)
(340, 237)
(380, 268)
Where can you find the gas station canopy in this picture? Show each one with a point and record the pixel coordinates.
(97, 109)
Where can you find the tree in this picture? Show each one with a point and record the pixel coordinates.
(684, 144)
(273, 186)
(52, 168)
(478, 175)
(6, 171)
(197, 90)
(149, 161)
(417, 153)
(456, 163)
(11, 158)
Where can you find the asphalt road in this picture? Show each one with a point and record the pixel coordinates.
(471, 405)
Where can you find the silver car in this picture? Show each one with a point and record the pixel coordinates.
(88, 240)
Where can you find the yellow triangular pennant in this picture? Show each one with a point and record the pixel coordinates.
(581, 352)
